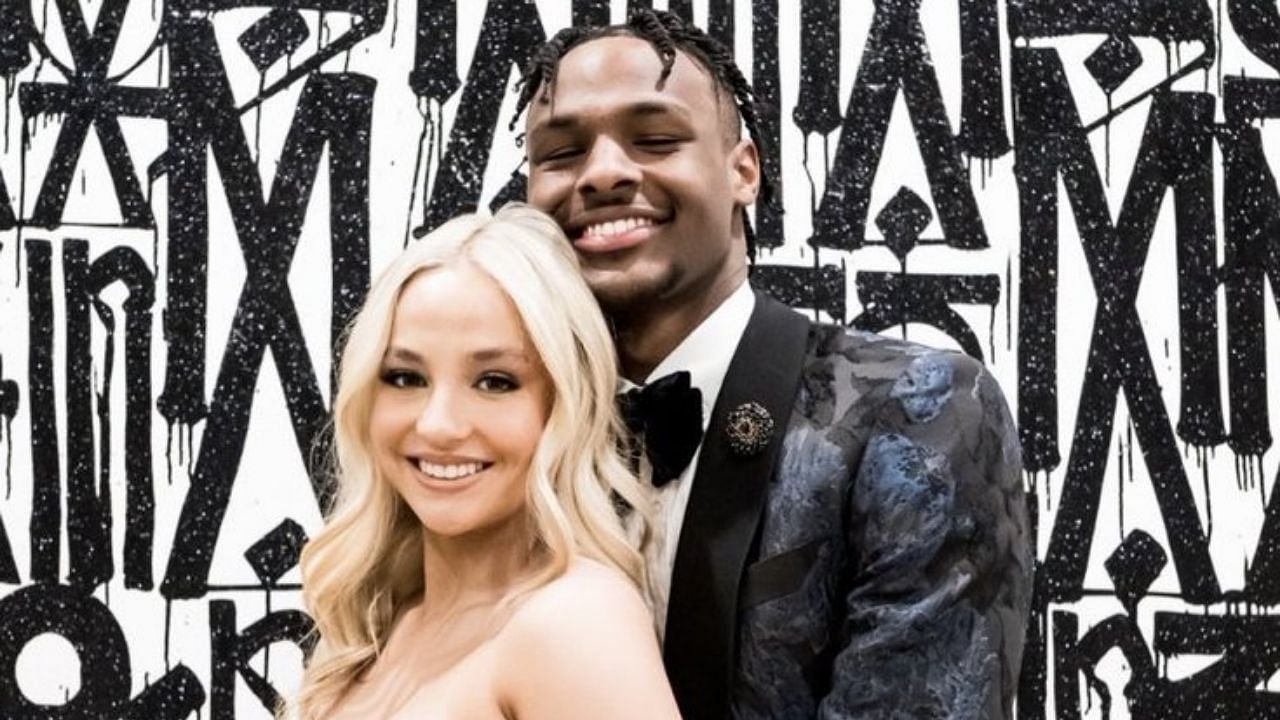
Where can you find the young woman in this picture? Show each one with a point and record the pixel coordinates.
(473, 565)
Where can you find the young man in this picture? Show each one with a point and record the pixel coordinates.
(841, 530)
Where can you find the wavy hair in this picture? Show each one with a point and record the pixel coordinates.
(366, 564)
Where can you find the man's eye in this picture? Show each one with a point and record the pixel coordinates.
(403, 379)
(658, 142)
(563, 153)
(497, 383)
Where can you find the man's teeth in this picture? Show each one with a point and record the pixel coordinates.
(449, 472)
(617, 227)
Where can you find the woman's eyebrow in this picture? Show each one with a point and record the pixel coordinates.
(500, 353)
(403, 354)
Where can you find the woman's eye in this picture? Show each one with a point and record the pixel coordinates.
(403, 379)
(497, 383)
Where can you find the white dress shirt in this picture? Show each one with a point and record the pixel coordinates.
(705, 353)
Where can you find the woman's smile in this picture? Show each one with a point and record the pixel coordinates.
(462, 402)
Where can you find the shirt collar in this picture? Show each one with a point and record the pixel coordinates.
(706, 352)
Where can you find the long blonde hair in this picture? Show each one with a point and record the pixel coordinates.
(366, 564)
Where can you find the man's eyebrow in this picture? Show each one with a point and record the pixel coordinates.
(555, 122)
(641, 108)
(654, 107)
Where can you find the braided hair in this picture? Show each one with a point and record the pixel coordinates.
(667, 33)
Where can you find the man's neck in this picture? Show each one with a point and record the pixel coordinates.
(645, 339)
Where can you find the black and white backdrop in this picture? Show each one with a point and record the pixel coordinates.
(193, 194)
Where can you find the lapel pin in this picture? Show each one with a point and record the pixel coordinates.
(749, 429)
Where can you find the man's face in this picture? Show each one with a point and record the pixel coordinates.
(648, 184)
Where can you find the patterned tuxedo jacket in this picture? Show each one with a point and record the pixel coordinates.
(874, 561)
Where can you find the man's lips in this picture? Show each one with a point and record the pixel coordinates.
(615, 235)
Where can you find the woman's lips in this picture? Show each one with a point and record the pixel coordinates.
(456, 483)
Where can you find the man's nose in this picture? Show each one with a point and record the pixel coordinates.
(443, 419)
(608, 168)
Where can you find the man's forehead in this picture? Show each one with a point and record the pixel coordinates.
(628, 69)
(629, 64)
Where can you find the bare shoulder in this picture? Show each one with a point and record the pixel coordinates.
(590, 597)
(584, 646)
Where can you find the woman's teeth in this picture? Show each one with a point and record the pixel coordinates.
(449, 472)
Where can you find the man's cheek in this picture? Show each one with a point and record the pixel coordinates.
(539, 194)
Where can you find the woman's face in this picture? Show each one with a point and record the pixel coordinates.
(460, 404)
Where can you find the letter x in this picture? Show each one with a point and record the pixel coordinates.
(1119, 359)
(91, 98)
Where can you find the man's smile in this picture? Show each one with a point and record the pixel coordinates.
(614, 235)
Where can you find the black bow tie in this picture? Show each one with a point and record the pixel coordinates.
(665, 417)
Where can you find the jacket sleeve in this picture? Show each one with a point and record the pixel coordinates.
(940, 582)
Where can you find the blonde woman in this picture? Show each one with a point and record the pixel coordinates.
(473, 565)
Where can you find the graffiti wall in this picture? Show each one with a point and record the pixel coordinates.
(193, 194)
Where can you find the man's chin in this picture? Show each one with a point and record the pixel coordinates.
(625, 293)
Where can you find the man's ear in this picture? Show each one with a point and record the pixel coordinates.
(744, 168)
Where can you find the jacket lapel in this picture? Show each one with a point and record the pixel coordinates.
(724, 511)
